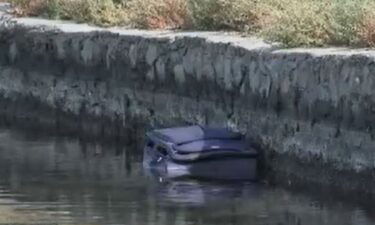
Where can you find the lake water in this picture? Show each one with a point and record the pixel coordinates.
(57, 180)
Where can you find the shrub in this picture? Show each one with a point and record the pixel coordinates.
(29, 7)
(366, 30)
(240, 15)
(346, 17)
(99, 12)
(159, 14)
(297, 22)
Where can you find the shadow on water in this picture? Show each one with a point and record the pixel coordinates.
(48, 179)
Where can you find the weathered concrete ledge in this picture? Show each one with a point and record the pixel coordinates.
(311, 110)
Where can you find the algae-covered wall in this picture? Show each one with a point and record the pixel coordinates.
(307, 108)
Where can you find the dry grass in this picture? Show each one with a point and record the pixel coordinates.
(103, 12)
(296, 22)
(367, 29)
(159, 14)
(29, 7)
(240, 15)
(291, 22)
(99, 12)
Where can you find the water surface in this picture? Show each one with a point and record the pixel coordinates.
(57, 180)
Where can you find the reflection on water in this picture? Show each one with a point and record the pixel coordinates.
(67, 181)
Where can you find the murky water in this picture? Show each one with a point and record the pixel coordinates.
(51, 180)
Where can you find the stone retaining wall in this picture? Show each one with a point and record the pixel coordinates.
(308, 109)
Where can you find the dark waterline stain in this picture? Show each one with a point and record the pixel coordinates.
(67, 180)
